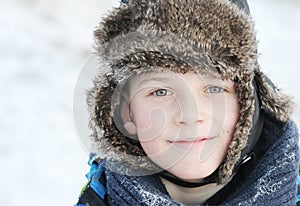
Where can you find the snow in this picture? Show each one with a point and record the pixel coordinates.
(45, 45)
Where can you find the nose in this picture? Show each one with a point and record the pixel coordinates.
(192, 110)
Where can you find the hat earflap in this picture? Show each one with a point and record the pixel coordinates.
(272, 100)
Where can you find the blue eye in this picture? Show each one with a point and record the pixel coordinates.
(161, 92)
(214, 89)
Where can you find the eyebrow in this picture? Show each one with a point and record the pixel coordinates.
(158, 79)
(207, 79)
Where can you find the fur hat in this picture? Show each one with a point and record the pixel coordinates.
(205, 36)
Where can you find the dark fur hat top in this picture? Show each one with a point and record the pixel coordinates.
(215, 36)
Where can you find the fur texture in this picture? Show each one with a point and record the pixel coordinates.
(213, 36)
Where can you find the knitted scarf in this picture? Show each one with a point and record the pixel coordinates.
(131, 190)
(271, 178)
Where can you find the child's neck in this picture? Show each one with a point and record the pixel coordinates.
(191, 196)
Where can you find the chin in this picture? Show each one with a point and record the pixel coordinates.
(192, 174)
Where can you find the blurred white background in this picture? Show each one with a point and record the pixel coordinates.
(43, 47)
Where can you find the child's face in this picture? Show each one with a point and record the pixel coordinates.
(184, 122)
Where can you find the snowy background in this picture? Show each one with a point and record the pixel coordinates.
(44, 45)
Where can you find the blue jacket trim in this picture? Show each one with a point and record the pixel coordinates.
(94, 175)
(298, 183)
(94, 191)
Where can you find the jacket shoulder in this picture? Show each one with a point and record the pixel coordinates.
(94, 193)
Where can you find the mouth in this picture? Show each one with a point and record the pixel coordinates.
(188, 141)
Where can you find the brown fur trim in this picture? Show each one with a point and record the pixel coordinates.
(273, 100)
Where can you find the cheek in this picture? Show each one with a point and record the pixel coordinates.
(225, 114)
(150, 122)
(153, 148)
(150, 126)
(231, 117)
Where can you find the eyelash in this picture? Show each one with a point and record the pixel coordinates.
(220, 89)
(207, 90)
(166, 92)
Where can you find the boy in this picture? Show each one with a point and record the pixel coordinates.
(183, 115)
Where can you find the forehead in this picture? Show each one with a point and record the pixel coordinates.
(174, 77)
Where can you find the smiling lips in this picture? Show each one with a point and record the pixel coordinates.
(190, 140)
